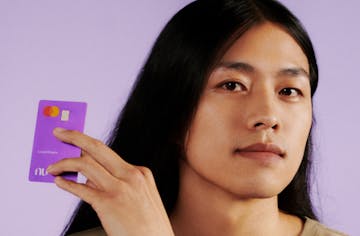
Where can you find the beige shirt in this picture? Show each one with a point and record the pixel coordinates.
(311, 228)
(314, 228)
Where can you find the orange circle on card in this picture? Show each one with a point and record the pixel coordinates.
(52, 111)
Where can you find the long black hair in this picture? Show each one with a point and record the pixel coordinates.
(151, 128)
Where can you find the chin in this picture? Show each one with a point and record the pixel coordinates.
(258, 190)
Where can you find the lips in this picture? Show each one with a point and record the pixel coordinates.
(262, 148)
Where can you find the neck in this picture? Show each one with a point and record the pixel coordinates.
(205, 209)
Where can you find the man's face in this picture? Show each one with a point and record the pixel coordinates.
(254, 116)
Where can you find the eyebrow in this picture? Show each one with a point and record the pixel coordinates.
(294, 71)
(247, 68)
(238, 66)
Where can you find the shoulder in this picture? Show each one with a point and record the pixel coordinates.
(311, 228)
(314, 228)
(91, 232)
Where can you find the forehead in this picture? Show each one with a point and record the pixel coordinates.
(267, 47)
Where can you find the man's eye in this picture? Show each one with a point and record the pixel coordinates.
(233, 86)
(291, 92)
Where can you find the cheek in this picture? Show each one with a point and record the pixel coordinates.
(211, 131)
(297, 132)
(302, 128)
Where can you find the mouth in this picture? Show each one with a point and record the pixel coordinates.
(261, 150)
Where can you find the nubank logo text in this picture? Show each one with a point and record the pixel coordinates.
(40, 172)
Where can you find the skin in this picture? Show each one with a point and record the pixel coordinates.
(121, 194)
(258, 94)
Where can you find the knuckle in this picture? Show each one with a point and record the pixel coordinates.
(96, 143)
(146, 171)
(136, 176)
(92, 144)
(70, 138)
(72, 134)
(135, 173)
(86, 163)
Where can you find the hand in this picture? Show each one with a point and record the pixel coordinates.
(124, 196)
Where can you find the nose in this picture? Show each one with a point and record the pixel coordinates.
(263, 115)
(264, 123)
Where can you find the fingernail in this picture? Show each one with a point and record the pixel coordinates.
(59, 130)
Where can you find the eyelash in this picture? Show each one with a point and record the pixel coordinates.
(284, 91)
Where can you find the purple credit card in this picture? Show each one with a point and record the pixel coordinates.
(46, 148)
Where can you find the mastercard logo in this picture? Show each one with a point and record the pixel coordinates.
(52, 111)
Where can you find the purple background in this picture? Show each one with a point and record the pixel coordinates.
(87, 50)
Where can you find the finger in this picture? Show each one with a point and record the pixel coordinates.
(90, 183)
(97, 150)
(82, 191)
(86, 166)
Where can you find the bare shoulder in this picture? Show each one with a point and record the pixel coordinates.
(314, 228)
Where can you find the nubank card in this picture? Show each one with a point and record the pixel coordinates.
(47, 149)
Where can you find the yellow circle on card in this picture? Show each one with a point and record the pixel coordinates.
(54, 111)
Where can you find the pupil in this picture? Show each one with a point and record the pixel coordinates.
(231, 86)
(287, 91)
